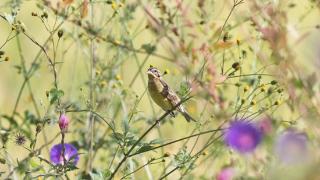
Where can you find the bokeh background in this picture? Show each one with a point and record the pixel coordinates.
(101, 62)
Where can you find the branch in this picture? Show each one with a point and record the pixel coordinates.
(181, 139)
(143, 135)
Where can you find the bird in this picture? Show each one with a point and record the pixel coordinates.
(163, 95)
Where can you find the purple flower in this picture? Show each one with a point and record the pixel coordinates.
(63, 122)
(225, 174)
(70, 154)
(242, 136)
(265, 125)
(292, 147)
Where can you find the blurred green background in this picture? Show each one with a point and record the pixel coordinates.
(74, 56)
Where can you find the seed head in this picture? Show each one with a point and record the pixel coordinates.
(166, 154)
(20, 139)
(60, 33)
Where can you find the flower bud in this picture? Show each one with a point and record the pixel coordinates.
(38, 128)
(236, 66)
(63, 122)
(60, 33)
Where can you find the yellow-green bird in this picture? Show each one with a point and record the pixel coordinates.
(162, 95)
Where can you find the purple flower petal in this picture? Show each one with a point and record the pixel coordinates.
(225, 174)
(265, 125)
(242, 136)
(70, 154)
(292, 147)
(63, 122)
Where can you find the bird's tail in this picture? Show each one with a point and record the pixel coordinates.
(186, 115)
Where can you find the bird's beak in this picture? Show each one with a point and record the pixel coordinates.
(149, 72)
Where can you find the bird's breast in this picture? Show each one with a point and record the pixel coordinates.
(155, 90)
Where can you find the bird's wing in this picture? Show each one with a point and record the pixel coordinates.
(166, 89)
(169, 94)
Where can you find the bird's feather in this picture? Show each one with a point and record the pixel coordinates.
(164, 97)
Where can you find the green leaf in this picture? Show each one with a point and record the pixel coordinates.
(117, 136)
(184, 89)
(100, 174)
(106, 173)
(71, 167)
(55, 95)
(298, 83)
(144, 148)
(125, 124)
(36, 166)
(148, 48)
(156, 141)
(11, 120)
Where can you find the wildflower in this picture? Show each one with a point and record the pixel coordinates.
(114, 5)
(103, 83)
(70, 154)
(98, 72)
(118, 77)
(20, 139)
(166, 71)
(262, 87)
(63, 123)
(292, 146)
(117, 42)
(265, 125)
(225, 174)
(245, 88)
(242, 136)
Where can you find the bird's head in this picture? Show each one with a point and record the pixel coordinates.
(153, 73)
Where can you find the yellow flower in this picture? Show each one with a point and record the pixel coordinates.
(245, 88)
(117, 42)
(118, 77)
(114, 5)
(103, 83)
